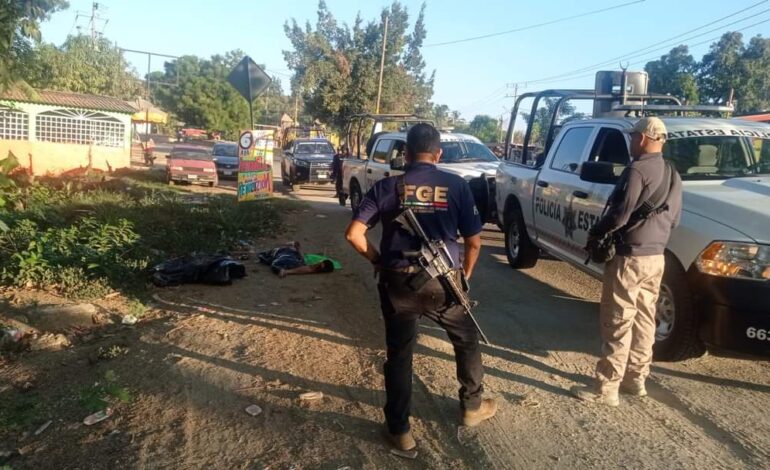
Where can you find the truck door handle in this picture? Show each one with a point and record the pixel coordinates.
(513, 179)
(543, 184)
(369, 170)
(580, 194)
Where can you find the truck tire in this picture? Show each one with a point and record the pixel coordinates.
(677, 322)
(342, 198)
(519, 249)
(355, 195)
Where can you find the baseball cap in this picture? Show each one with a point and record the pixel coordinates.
(650, 126)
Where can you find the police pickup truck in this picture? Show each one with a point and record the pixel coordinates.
(716, 287)
(462, 154)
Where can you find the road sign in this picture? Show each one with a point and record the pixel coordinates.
(250, 81)
(246, 140)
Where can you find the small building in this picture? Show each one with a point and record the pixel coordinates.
(55, 131)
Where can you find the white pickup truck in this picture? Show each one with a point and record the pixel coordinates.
(716, 287)
(462, 155)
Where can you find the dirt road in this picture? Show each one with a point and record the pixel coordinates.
(265, 341)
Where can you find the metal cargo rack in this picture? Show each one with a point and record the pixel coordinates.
(357, 123)
(626, 105)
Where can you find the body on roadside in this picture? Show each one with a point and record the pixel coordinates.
(444, 207)
(641, 227)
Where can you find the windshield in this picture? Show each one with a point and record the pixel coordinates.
(718, 157)
(190, 154)
(312, 147)
(461, 151)
(230, 150)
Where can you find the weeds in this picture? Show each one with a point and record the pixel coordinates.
(102, 394)
(20, 412)
(112, 352)
(85, 238)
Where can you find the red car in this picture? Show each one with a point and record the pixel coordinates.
(191, 164)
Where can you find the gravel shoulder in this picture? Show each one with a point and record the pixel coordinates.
(209, 352)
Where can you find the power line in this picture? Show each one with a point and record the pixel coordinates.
(538, 25)
(635, 54)
(714, 38)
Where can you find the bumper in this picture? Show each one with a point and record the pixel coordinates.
(735, 313)
(313, 174)
(227, 171)
(194, 177)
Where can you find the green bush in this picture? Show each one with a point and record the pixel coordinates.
(84, 238)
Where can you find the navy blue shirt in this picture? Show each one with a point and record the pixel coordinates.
(442, 202)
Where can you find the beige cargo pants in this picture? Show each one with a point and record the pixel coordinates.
(627, 319)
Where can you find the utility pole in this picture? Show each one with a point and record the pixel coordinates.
(382, 65)
(267, 91)
(147, 81)
(296, 107)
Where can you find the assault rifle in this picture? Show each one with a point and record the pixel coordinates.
(436, 262)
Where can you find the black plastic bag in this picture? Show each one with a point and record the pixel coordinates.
(203, 269)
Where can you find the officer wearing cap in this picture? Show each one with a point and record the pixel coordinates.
(632, 278)
(444, 207)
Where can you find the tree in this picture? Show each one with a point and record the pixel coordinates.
(721, 69)
(543, 116)
(336, 67)
(485, 128)
(82, 65)
(754, 94)
(674, 73)
(204, 98)
(20, 23)
(440, 114)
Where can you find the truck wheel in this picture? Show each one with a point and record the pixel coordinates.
(342, 198)
(355, 195)
(284, 179)
(519, 249)
(676, 323)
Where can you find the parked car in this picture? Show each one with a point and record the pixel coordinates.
(225, 157)
(191, 164)
(307, 161)
(716, 286)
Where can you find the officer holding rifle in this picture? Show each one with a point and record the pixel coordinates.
(421, 272)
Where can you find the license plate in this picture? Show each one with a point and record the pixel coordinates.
(192, 177)
(228, 173)
(323, 176)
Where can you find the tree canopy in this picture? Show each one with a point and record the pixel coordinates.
(204, 98)
(336, 66)
(81, 65)
(20, 24)
(729, 65)
(485, 128)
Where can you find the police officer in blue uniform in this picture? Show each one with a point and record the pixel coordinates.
(444, 207)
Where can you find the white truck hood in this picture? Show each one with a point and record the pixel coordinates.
(742, 204)
(470, 169)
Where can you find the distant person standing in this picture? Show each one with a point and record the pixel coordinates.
(336, 175)
(643, 209)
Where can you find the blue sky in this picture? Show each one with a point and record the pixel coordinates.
(470, 77)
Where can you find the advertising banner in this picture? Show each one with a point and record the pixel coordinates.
(255, 174)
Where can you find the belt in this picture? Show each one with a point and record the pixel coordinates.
(405, 270)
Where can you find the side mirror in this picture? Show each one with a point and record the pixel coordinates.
(398, 163)
(600, 172)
